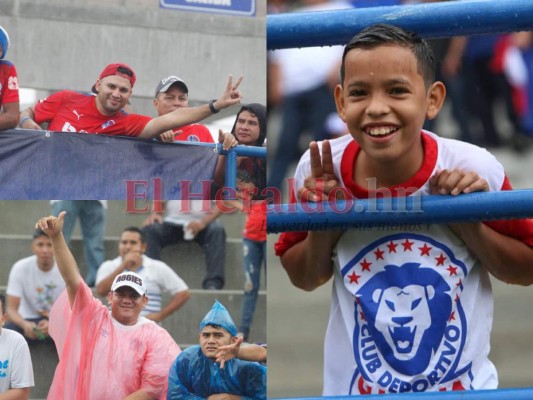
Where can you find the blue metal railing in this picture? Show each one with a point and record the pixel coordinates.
(431, 20)
(231, 160)
(481, 206)
(500, 394)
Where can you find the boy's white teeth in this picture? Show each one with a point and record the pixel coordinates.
(380, 131)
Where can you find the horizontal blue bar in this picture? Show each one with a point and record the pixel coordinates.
(481, 206)
(245, 151)
(500, 394)
(430, 20)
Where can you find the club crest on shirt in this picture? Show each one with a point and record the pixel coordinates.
(410, 326)
(13, 83)
(108, 123)
(193, 138)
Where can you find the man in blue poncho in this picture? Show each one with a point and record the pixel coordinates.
(196, 375)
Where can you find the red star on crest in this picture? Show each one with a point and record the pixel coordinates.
(362, 316)
(460, 282)
(365, 265)
(440, 259)
(456, 298)
(452, 269)
(452, 316)
(392, 247)
(407, 245)
(379, 254)
(354, 278)
(424, 250)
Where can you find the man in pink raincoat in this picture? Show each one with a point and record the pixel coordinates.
(104, 355)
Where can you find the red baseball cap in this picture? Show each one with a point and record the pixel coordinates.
(118, 69)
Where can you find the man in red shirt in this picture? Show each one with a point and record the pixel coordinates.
(70, 111)
(9, 87)
(172, 93)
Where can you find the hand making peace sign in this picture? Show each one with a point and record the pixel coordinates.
(322, 184)
(231, 96)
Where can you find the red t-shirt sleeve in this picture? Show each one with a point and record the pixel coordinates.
(10, 86)
(287, 240)
(520, 229)
(45, 110)
(135, 124)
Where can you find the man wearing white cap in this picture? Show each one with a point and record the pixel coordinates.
(9, 86)
(158, 276)
(104, 355)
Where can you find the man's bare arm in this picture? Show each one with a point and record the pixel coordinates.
(13, 304)
(139, 395)
(189, 115)
(16, 394)
(66, 263)
(177, 301)
(27, 119)
(10, 117)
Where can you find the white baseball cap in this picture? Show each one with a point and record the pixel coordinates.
(131, 279)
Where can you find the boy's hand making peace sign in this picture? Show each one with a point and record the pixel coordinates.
(322, 184)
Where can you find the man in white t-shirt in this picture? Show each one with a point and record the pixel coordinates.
(158, 276)
(190, 220)
(16, 371)
(33, 286)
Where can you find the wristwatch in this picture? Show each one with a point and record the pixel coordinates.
(212, 106)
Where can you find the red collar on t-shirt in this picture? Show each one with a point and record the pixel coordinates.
(416, 181)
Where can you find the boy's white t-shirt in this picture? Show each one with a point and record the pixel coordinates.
(411, 306)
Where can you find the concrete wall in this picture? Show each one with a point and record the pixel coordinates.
(64, 44)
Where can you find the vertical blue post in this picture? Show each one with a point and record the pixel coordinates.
(231, 169)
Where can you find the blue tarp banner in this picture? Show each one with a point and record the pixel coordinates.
(43, 165)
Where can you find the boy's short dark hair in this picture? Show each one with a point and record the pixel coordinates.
(383, 34)
(245, 176)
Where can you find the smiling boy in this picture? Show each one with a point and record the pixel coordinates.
(412, 307)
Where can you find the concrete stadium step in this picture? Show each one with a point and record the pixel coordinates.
(187, 259)
(19, 217)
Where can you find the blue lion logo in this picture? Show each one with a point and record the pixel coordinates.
(407, 309)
